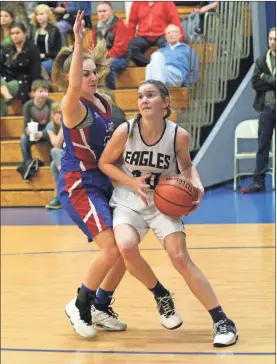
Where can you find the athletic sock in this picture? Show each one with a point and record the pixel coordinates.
(217, 314)
(103, 299)
(159, 290)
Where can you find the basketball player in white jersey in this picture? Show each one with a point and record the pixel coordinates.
(154, 147)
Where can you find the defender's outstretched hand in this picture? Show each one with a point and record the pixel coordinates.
(79, 27)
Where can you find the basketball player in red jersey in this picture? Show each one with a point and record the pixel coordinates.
(155, 147)
(84, 191)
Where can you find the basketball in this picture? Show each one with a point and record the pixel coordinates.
(174, 196)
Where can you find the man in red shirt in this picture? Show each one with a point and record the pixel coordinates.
(115, 33)
(150, 18)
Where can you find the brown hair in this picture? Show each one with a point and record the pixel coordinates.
(47, 10)
(163, 92)
(10, 12)
(62, 63)
(55, 107)
(40, 84)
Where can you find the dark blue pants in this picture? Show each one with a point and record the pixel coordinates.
(117, 65)
(267, 122)
(139, 45)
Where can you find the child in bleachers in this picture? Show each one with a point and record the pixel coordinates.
(55, 133)
(38, 110)
(46, 35)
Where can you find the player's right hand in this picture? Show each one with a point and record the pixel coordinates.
(139, 185)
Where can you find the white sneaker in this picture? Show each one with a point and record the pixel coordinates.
(225, 333)
(108, 320)
(170, 319)
(80, 319)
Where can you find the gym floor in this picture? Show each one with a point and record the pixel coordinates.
(231, 237)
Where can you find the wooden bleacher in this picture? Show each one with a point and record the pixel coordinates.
(11, 152)
(12, 126)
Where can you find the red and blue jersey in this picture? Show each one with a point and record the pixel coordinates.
(85, 143)
(83, 189)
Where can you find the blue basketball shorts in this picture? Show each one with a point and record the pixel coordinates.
(85, 196)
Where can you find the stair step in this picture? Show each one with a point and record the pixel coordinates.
(11, 151)
(127, 99)
(25, 198)
(12, 180)
(12, 126)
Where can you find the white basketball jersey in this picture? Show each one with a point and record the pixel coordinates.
(159, 159)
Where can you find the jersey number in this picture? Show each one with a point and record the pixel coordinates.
(152, 181)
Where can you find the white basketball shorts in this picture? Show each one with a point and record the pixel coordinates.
(130, 209)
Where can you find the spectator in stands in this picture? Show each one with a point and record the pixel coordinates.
(176, 64)
(7, 19)
(203, 8)
(150, 18)
(264, 83)
(20, 14)
(115, 33)
(55, 134)
(38, 110)
(46, 35)
(67, 11)
(20, 66)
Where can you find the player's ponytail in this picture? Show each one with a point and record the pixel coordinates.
(63, 61)
(135, 121)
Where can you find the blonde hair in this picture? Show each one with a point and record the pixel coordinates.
(163, 92)
(47, 10)
(55, 107)
(62, 64)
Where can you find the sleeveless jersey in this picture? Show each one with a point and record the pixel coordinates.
(159, 159)
(85, 143)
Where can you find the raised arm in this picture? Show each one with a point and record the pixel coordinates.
(73, 110)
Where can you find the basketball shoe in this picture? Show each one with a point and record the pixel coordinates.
(79, 314)
(225, 333)
(107, 319)
(170, 319)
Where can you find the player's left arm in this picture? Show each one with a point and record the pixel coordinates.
(187, 169)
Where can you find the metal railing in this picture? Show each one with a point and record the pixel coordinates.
(225, 41)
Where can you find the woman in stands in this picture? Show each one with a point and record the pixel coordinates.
(20, 66)
(83, 190)
(46, 35)
(152, 146)
(7, 19)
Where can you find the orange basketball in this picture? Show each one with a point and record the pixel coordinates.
(174, 196)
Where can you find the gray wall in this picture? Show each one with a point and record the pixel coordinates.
(117, 5)
(215, 159)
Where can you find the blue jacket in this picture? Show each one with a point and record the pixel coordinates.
(179, 57)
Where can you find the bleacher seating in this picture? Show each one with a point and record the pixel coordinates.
(14, 191)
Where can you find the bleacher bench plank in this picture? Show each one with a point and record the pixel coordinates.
(12, 126)
(25, 198)
(11, 151)
(127, 99)
(12, 180)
